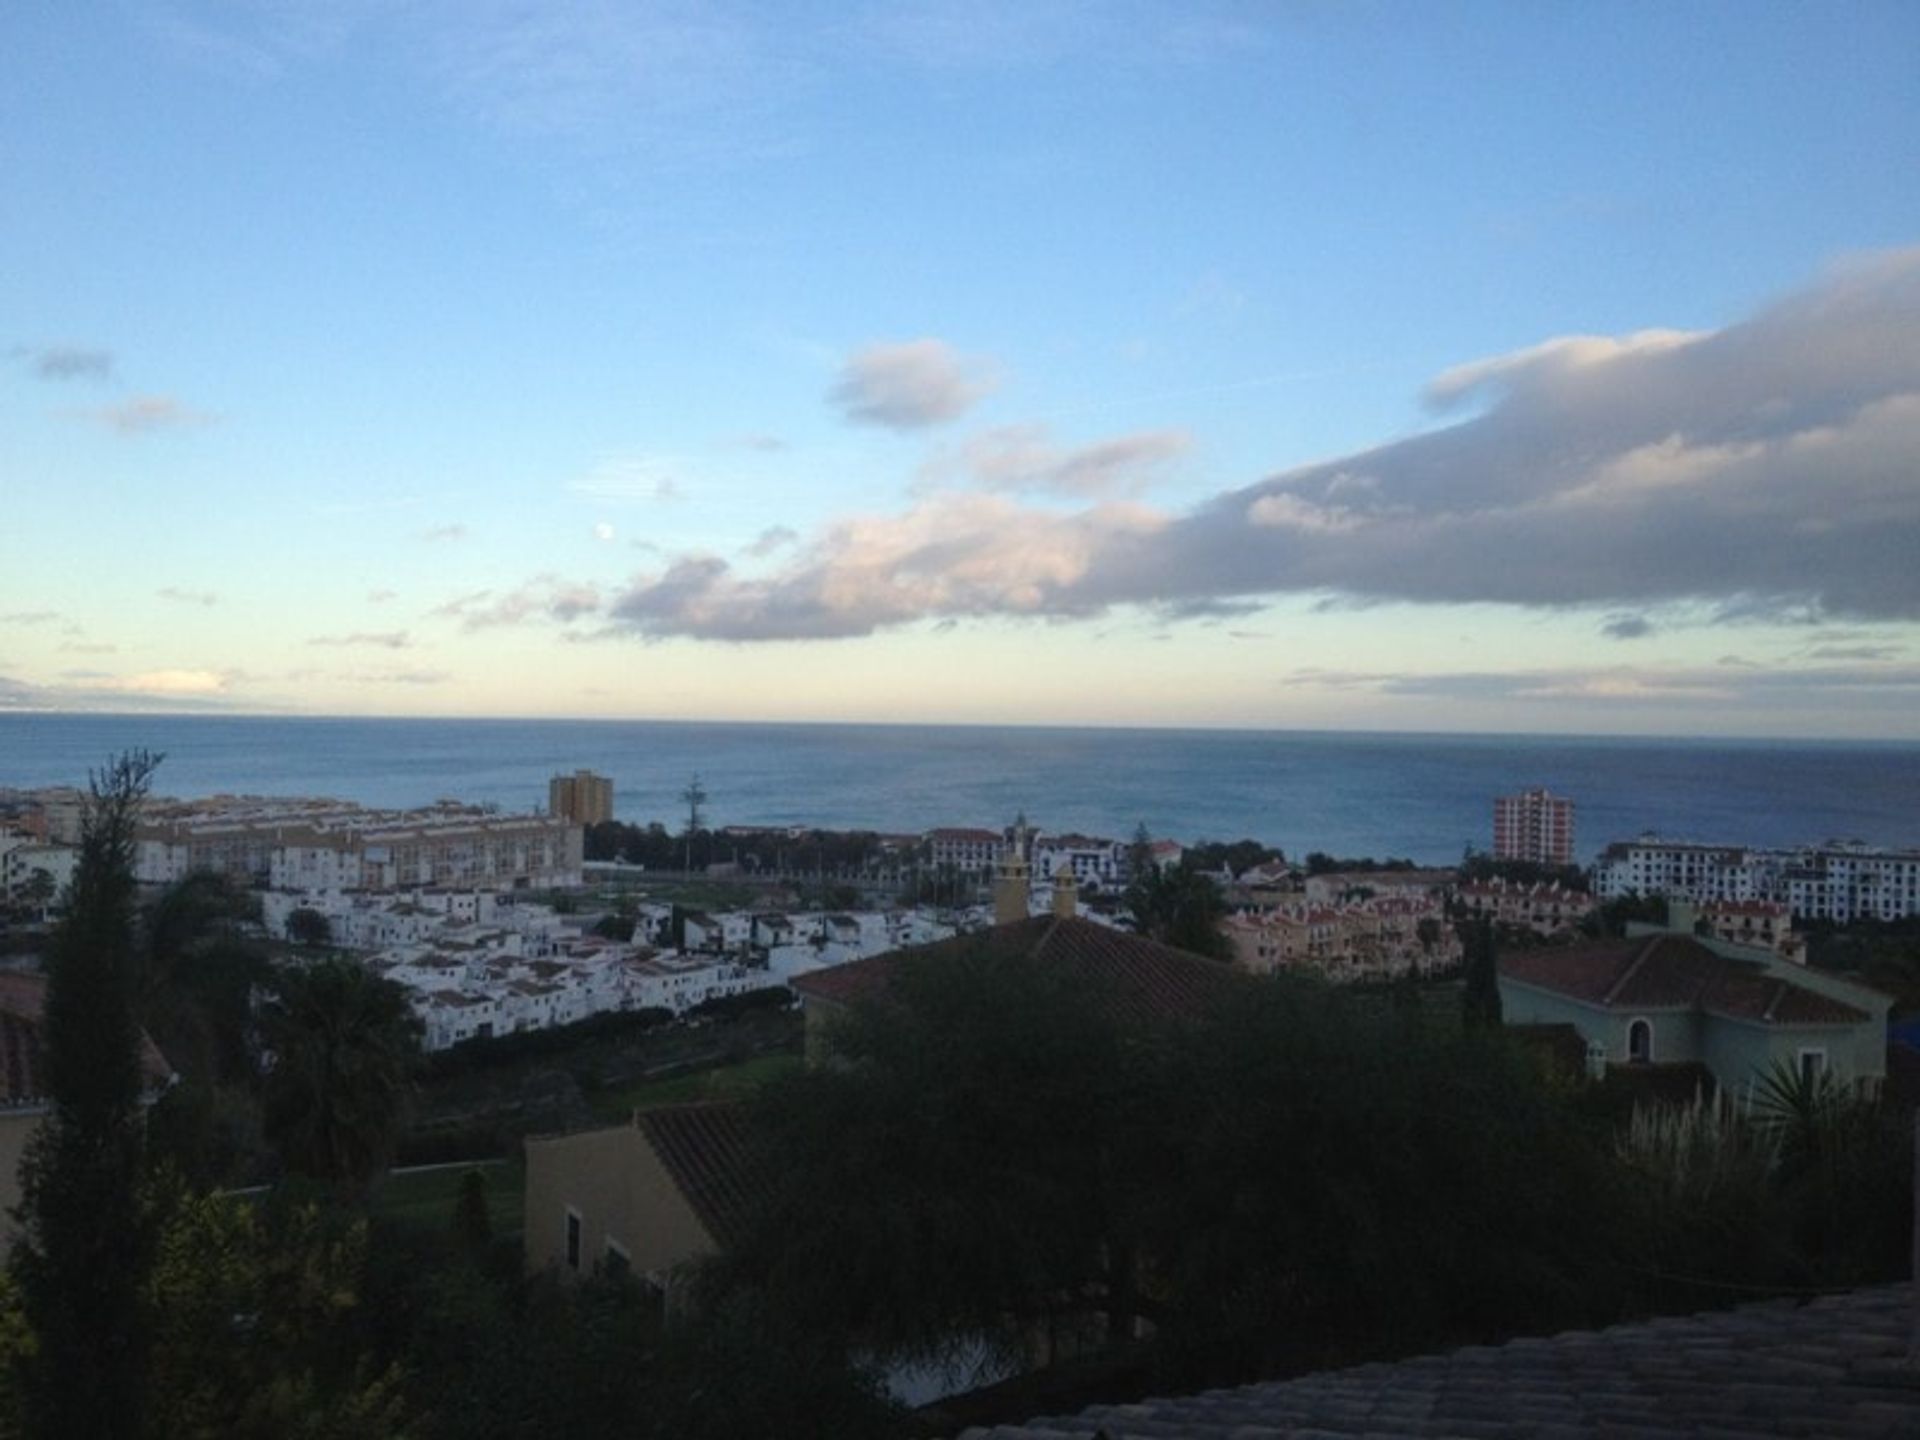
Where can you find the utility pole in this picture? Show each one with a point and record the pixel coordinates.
(695, 795)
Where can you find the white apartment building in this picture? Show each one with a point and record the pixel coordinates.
(971, 852)
(1841, 882)
(1093, 862)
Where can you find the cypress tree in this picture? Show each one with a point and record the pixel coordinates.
(1480, 999)
(82, 1250)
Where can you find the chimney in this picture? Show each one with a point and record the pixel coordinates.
(1010, 887)
(1066, 894)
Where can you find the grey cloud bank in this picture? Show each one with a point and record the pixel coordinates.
(1768, 468)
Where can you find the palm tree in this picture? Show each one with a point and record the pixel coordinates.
(344, 1045)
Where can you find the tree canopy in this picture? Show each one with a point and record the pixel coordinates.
(995, 1154)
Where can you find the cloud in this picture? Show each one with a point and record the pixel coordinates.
(1627, 627)
(1889, 686)
(602, 531)
(634, 478)
(1855, 652)
(381, 597)
(951, 556)
(181, 689)
(396, 677)
(444, 532)
(543, 598)
(764, 443)
(909, 386)
(67, 362)
(1023, 458)
(187, 597)
(1770, 468)
(172, 682)
(773, 538)
(1540, 368)
(29, 617)
(82, 647)
(145, 414)
(385, 639)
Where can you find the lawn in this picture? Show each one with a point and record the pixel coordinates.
(724, 1082)
(425, 1198)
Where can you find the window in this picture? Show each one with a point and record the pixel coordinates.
(1813, 1064)
(573, 1238)
(1640, 1042)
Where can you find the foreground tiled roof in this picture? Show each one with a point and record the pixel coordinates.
(1832, 1369)
(1140, 978)
(1666, 971)
(23, 1080)
(704, 1148)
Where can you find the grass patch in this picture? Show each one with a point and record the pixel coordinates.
(723, 1082)
(425, 1199)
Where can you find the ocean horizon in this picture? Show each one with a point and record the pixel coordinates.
(1422, 795)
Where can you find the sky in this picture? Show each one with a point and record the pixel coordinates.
(1283, 365)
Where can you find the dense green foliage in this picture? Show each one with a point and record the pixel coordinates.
(1309, 1176)
(1883, 953)
(1237, 856)
(1177, 905)
(809, 853)
(1480, 866)
(1308, 1173)
(1320, 863)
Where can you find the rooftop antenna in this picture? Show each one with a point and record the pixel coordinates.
(695, 795)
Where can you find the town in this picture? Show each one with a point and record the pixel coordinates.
(497, 924)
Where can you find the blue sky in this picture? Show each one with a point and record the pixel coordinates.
(1413, 367)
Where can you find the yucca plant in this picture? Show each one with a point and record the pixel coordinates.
(1702, 1174)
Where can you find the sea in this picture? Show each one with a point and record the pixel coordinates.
(1425, 797)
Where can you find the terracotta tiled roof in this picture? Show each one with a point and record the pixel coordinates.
(1674, 972)
(22, 1064)
(1142, 978)
(704, 1148)
(1832, 1368)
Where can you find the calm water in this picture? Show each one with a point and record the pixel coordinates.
(1424, 796)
